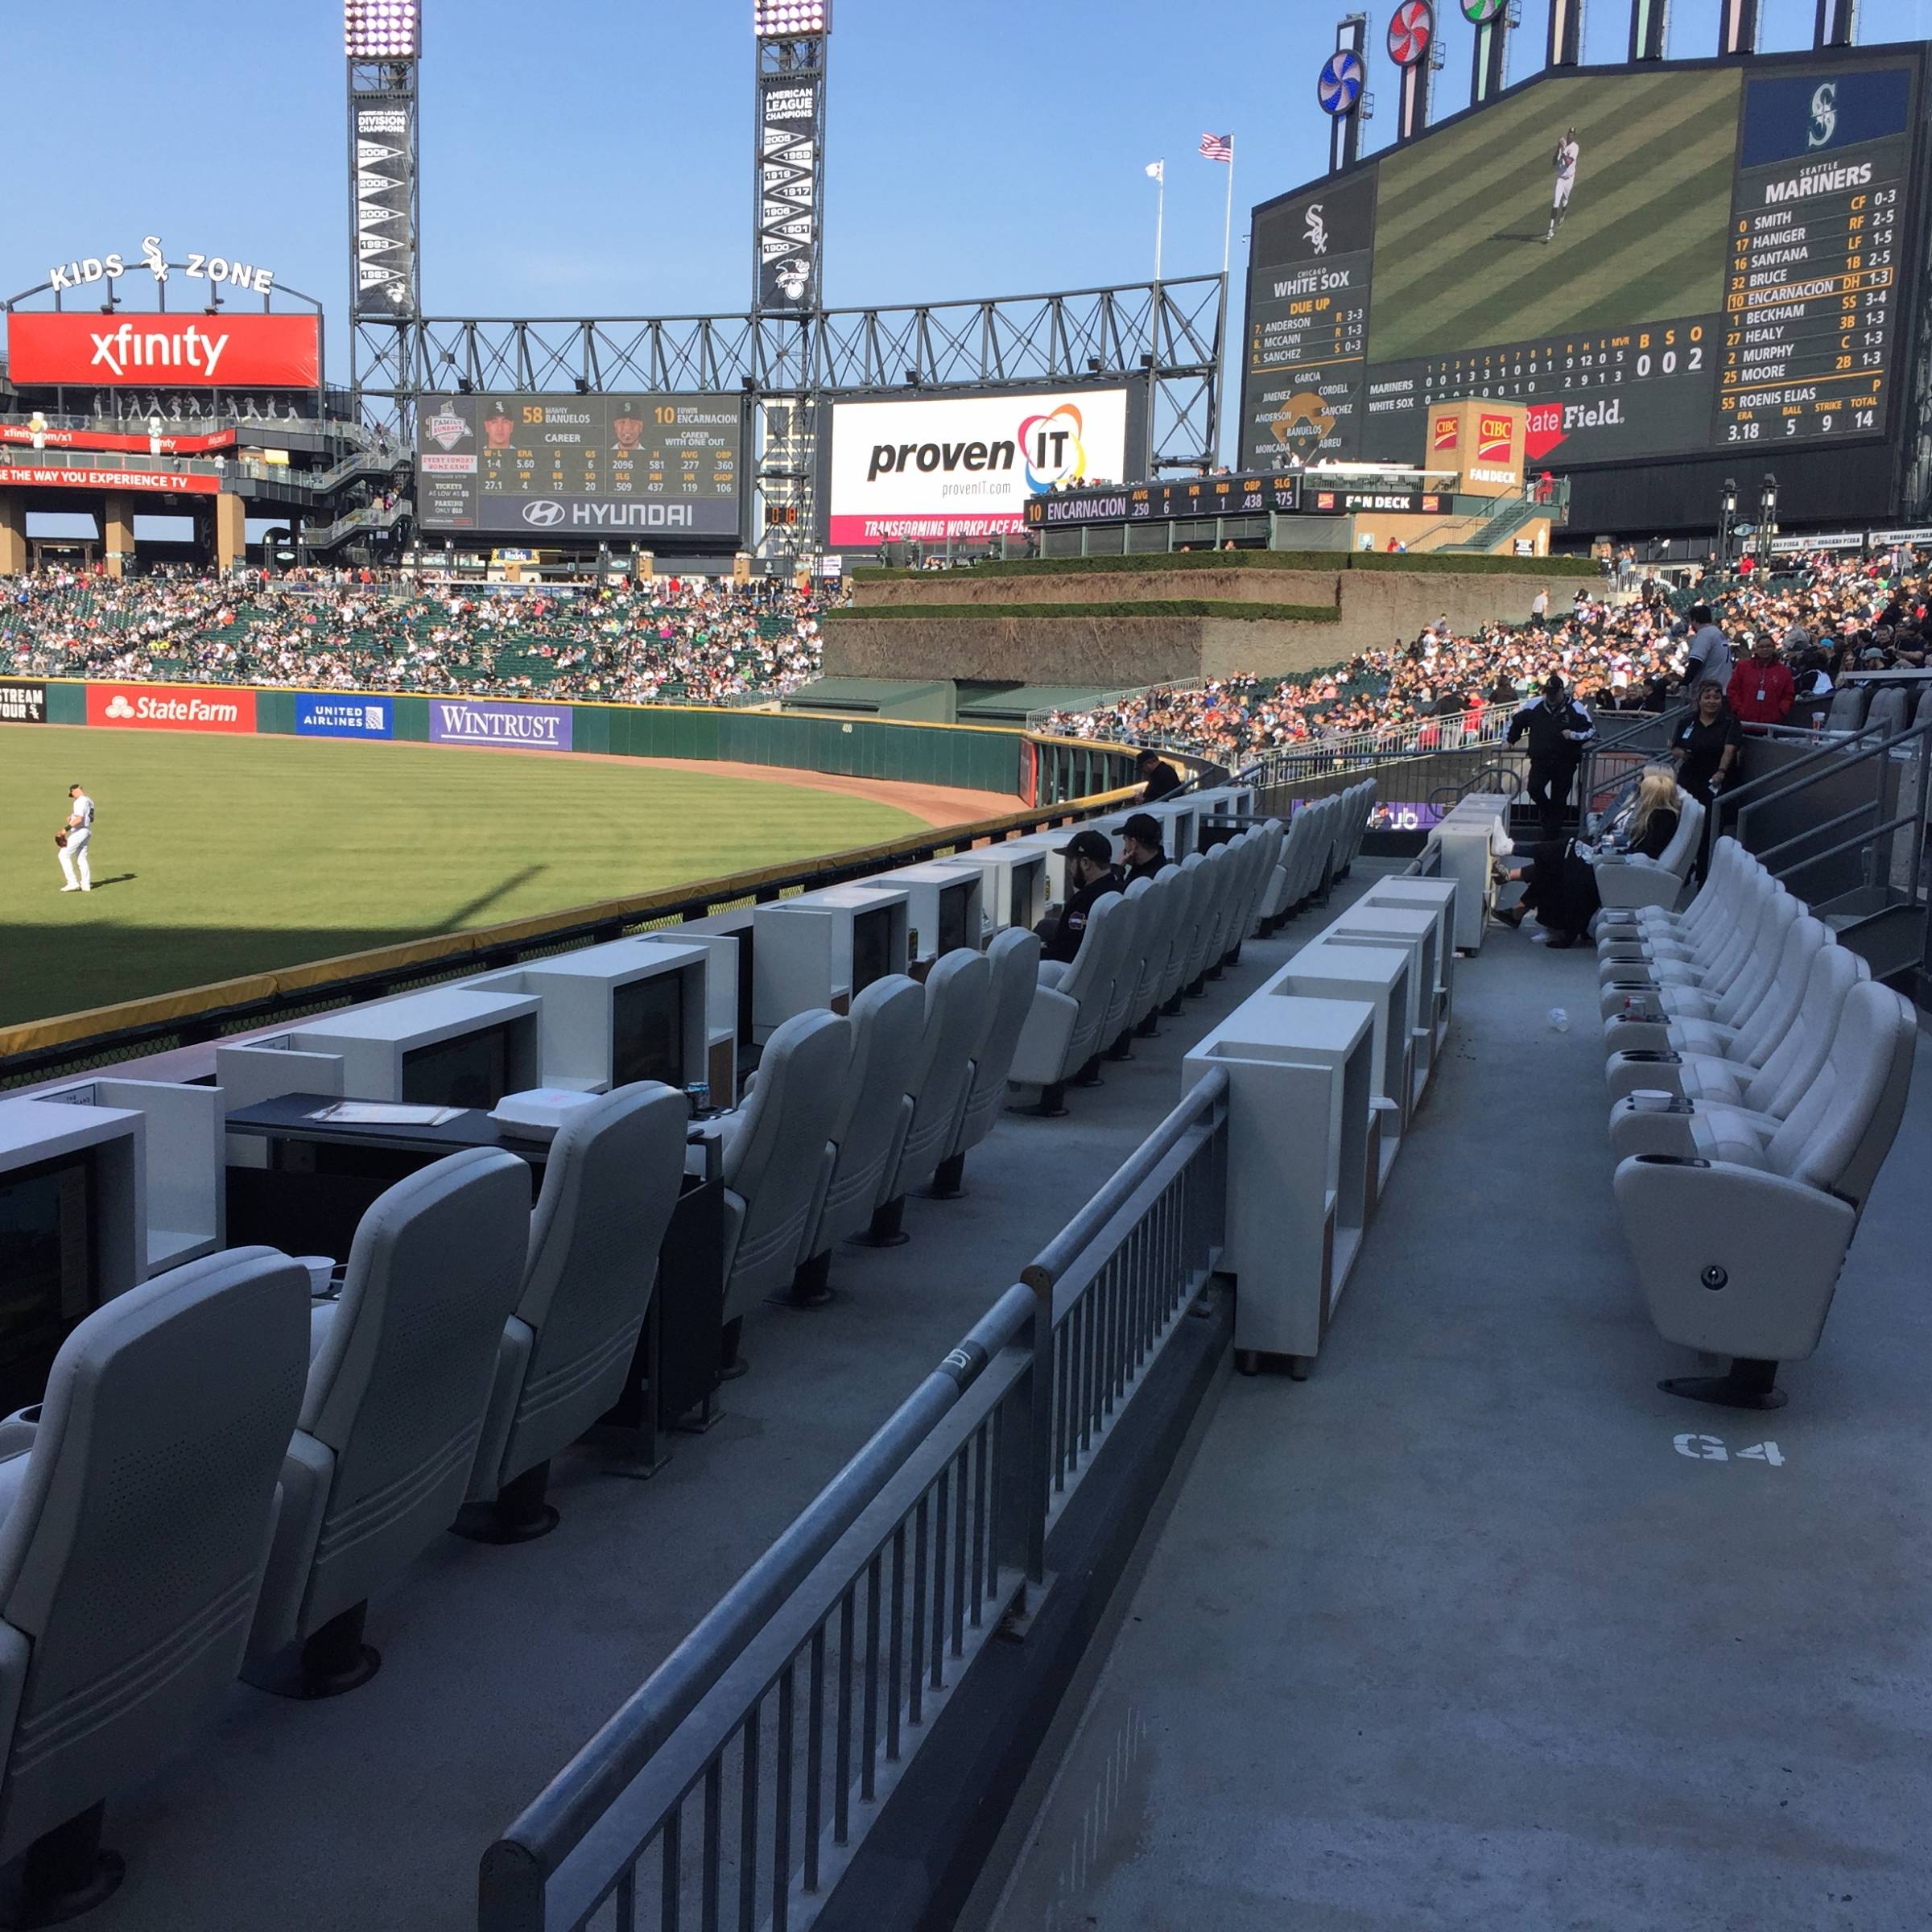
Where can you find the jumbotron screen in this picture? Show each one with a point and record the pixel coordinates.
(620, 465)
(1677, 261)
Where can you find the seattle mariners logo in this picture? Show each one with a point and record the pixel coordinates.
(1824, 115)
(1317, 234)
(545, 513)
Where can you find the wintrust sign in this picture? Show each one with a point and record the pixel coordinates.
(182, 352)
(170, 707)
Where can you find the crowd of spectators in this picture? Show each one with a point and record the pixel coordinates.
(1624, 650)
(699, 640)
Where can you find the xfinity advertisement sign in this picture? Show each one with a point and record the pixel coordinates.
(965, 466)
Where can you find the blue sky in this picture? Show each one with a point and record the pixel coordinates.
(588, 157)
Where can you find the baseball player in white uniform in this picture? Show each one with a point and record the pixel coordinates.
(1567, 154)
(80, 834)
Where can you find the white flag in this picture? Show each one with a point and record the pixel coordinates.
(1156, 171)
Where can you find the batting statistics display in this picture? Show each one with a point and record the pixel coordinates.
(1669, 261)
(574, 466)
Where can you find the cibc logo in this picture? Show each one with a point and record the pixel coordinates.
(545, 513)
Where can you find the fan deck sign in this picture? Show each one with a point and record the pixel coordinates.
(170, 707)
(175, 351)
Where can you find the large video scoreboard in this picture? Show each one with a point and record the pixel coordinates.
(1674, 261)
(631, 466)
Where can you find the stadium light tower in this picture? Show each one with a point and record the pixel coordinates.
(1649, 29)
(1566, 33)
(1837, 23)
(788, 162)
(1737, 28)
(383, 41)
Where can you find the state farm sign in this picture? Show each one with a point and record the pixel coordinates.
(175, 351)
(170, 707)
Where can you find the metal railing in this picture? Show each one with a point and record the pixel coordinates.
(753, 1762)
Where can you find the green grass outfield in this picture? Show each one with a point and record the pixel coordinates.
(214, 857)
(1460, 260)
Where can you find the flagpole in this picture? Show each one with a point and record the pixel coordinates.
(1228, 224)
(1160, 218)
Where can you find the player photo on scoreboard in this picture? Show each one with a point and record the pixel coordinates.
(1578, 204)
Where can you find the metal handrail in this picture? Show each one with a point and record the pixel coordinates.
(1021, 1404)
(560, 1816)
(1848, 753)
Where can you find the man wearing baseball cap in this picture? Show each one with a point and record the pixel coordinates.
(1142, 853)
(1090, 877)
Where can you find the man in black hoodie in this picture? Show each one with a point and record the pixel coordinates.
(1557, 728)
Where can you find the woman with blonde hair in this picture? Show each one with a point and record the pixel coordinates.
(1559, 883)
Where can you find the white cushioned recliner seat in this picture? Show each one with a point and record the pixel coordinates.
(773, 1161)
(136, 1505)
(1707, 1056)
(1719, 988)
(888, 1021)
(959, 1008)
(1629, 879)
(1745, 1115)
(401, 1371)
(1739, 1239)
(1211, 915)
(1633, 932)
(611, 1182)
(1014, 959)
(1070, 1001)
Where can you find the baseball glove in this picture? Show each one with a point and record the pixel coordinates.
(60, 839)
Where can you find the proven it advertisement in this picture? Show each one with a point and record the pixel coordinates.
(964, 466)
(522, 727)
(319, 716)
(170, 707)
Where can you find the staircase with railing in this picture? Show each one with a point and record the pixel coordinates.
(1846, 827)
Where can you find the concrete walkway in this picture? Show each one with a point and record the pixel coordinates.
(1457, 1634)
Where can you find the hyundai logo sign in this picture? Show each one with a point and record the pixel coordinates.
(545, 513)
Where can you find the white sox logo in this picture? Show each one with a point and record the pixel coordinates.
(1317, 234)
(1824, 115)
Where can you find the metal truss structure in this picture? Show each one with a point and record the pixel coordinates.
(1167, 333)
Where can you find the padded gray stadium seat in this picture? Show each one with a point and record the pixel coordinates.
(773, 1158)
(1195, 887)
(1847, 715)
(1013, 959)
(1062, 1033)
(401, 1371)
(888, 1021)
(1637, 932)
(1887, 716)
(136, 1506)
(1740, 1241)
(959, 1008)
(1631, 880)
(612, 1180)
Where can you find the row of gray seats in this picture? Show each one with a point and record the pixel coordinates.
(315, 1446)
(848, 1114)
(1758, 1077)
(1141, 950)
(1875, 712)
(1323, 839)
(225, 1468)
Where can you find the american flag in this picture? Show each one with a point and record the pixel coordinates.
(1218, 147)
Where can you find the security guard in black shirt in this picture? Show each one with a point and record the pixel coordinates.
(1140, 850)
(1158, 777)
(1090, 877)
